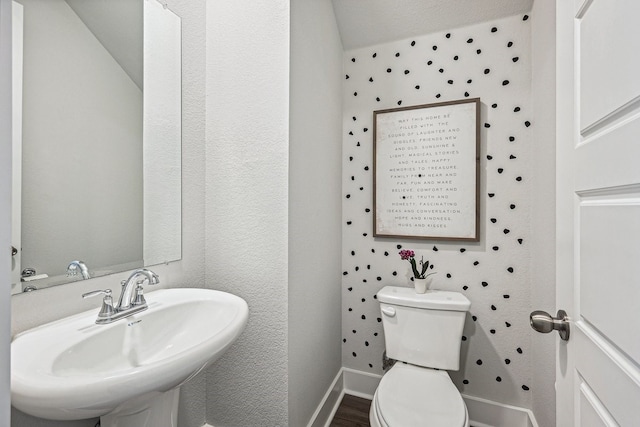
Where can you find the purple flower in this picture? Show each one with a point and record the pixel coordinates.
(405, 254)
(408, 255)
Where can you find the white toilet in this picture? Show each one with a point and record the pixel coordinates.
(425, 331)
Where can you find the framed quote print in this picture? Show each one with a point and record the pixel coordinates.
(426, 171)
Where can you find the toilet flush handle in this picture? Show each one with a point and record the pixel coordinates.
(388, 311)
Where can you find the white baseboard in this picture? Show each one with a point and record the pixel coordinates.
(329, 404)
(482, 412)
(487, 413)
(360, 384)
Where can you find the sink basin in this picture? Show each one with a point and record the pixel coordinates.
(74, 369)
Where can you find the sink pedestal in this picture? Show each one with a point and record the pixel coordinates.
(149, 410)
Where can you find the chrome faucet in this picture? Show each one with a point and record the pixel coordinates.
(128, 294)
(75, 266)
(131, 299)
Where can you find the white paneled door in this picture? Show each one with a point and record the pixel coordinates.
(598, 216)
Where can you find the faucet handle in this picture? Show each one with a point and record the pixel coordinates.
(138, 296)
(106, 293)
(107, 310)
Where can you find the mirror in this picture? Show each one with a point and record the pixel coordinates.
(97, 146)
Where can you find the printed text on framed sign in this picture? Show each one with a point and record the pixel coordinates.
(426, 171)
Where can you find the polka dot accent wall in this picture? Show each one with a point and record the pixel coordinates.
(490, 61)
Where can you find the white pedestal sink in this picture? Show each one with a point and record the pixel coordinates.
(127, 372)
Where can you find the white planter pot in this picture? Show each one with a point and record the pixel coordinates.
(421, 285)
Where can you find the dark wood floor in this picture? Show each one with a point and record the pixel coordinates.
(352, 412)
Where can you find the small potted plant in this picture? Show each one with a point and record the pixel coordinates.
(419, 276)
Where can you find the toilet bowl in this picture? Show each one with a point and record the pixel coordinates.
(423, 333)
(413, 396)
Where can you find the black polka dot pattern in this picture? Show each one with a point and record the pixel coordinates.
(490, 61)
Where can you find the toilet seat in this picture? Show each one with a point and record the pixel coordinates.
(412, 396)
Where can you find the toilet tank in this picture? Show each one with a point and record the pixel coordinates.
(423, 329)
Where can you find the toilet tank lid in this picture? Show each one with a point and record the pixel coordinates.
(432, 299)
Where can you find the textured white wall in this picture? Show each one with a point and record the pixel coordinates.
(162, 232)
(543, 253)
(5, 206)
(491, 61)
(36, 308)
(81, 148)
(315, 234)
(247, 177)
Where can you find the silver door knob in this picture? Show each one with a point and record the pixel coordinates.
(542, 321)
